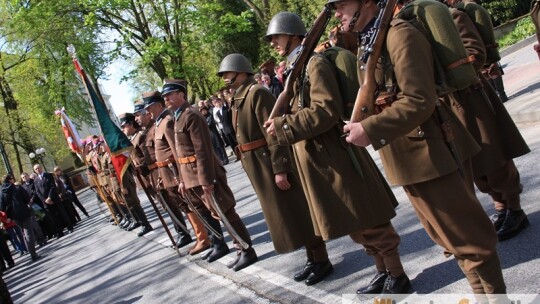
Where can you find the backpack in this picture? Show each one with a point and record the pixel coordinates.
(482, 21)
(345, 66)
(453, 67)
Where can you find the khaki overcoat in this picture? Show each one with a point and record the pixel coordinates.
(286, 212)
(341, 201)
(408, 133)
(482, 112)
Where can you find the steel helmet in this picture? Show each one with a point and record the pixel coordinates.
(235, 63)
(285, 23)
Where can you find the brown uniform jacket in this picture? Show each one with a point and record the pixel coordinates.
(163, 145)
(286, 212)
(341, 201)
(486, 118)
(150, 152)
(408, 133)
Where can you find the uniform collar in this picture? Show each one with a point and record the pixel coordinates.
(242, 91)
(161, 116)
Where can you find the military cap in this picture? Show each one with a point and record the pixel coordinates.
(152, 97)
(174, 85)
(138, 106)
(126, 118)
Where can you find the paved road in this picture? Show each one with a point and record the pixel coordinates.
(99, 263)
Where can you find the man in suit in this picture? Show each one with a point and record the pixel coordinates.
(223, 112)
(46, 192)
(414, 149)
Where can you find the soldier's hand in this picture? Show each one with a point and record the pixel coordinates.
(208, 189)
(356, 134)
(182, 189)
(282, 182)
(270, 127)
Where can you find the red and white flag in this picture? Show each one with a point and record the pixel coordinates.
(70, 131)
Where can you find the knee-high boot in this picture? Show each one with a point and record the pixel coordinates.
(203, 241)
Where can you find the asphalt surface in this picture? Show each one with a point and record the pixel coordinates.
(100, 263)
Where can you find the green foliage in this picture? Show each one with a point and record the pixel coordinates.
(524, 29)
(503, 11)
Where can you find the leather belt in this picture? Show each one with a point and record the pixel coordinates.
(152, 166)
(252, 145)
(162, 164)
(187, 159)
(462, 61)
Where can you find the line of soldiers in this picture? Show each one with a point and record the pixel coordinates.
(343, 191)
(314, 187)
(121, 198)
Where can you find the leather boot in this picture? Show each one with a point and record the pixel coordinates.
(182, 237)
(514, 223)
(376, 284)
(203, 241)
(133, 226)
(320, 271)
(219, 247)
(397, 285)
(235, 260)
(140, 214)
(247, 257)
(498, 218)
(304, 273)
(145, 229)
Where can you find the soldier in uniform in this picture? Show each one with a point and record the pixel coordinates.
(271, 171)
(489, 123)
(162, 147)
(129, 189)
(535, 16)
(414, 150)
(203, 175)
(344, 188)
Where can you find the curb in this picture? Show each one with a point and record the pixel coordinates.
(517, 46)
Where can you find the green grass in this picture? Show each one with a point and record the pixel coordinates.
(524, 29)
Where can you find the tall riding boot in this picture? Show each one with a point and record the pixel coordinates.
(203, 241)
(219, 246)
(137, 216)
(146, 227)
(499, 88)
(183, 237)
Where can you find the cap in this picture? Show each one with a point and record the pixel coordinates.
(174, 85)
(138, 106)
(152, 97)
(126, 118)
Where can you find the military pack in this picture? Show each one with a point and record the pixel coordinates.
(482, 20)
(454, 70)
(344, 63)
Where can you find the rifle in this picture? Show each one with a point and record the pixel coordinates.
(295, 70)
(364, 105)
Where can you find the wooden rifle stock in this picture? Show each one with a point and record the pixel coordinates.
(293, 72)
(364, 105)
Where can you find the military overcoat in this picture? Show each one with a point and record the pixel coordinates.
(150, 152)
(341, 201)
(482, 112)
(408, 134)
(286, 212)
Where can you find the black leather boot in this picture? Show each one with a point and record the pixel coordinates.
(145, 229)
(304, 273)
(397, 285)
(320, 271)
(498, 218)
(514, 223)
(376, 284)
(134, 225)
(247, 257)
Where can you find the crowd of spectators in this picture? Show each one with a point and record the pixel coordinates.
(37, 208)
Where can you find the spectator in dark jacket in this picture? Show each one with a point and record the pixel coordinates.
(14, 202)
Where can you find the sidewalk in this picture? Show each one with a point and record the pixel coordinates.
(522, 82)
